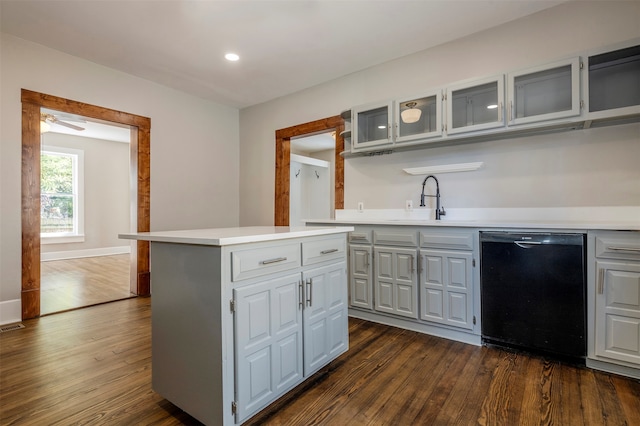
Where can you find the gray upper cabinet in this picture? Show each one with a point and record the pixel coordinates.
(418, 118)
(477, 105)
(542, 93)
(371, 126)
(613, 88)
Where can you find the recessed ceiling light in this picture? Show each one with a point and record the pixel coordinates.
(231, 57)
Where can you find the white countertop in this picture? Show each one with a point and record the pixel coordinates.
(582, 218)
(240, 235)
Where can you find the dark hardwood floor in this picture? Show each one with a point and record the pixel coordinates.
(76, 283)
(93, 366)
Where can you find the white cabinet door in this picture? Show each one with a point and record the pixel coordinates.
(326, 326)
(425, 124)
(360, 283)
(617, 325)
(612, 87)
(268, 342)
(396, 288)
(446, 287)
(478, 105)
(371, 126)
(546, 92)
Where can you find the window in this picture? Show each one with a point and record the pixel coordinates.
(61, 195)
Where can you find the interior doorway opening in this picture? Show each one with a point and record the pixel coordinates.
(84, 200)
(139, 129)
(312, 175)
(283, 164)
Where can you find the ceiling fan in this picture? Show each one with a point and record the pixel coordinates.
(50, 118)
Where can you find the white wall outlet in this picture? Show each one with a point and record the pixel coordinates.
(360, 206)
(408, 205)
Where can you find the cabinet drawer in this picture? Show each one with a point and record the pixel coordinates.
(360, 236)
(261, 261)
(395, 237)
(618, 245)
(457, 239)
(323, 250)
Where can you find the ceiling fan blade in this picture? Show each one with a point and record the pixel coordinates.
(69, 125)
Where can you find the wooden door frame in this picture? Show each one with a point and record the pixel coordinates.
(140, 188)
(283, 162)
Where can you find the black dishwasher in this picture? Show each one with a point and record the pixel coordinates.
(533, 292)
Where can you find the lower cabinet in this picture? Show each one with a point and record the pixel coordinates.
(286, 329)
(360, 276)
(235, 327)
(268, 342)
(424, 275)
(614, 301)
(446, 287)
(617, 334)
(396, 283)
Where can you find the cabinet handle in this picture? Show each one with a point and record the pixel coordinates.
(601, 281)
(510, 111)
(411, 257)
(309, 283)
(329, 251)
(499, 111)
(300, 297)
(632, 249)
(366, 261)
(274, 260)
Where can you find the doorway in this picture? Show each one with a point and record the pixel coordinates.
(84, 181)
(32, 102)
(283, 163)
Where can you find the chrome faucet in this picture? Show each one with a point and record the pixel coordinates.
(439, 210)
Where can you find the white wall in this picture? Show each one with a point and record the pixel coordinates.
(194, 144)
(596, 167)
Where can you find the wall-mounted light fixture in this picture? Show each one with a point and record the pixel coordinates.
(411, 114)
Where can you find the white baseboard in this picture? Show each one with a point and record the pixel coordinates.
(10, 311)
(75, 254)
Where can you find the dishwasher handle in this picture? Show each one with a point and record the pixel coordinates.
(530, 239)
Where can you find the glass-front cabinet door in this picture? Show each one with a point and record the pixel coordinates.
(371, 126)
(418, 117)
(546, 92)
(475, 106)
(614, 83)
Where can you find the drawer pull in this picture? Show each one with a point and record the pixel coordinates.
(633, 249)
(275, 260)
(309, 284)
(329, 251)
(358, 237)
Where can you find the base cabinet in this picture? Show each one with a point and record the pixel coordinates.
(268, 342)
(236, 327)
(445, 286)
(396, 284)
(421, 278)
(615, 303)
(361, 276)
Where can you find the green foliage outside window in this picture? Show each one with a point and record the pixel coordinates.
(56, 193)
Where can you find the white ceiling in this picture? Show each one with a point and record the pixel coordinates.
(284, 46)
(91, 128)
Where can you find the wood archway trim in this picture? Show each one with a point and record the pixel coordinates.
(283, 161)
(140, 181)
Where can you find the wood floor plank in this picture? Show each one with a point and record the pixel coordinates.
(93, 366)
(74, 283)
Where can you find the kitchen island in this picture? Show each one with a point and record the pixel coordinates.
(240, 316)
